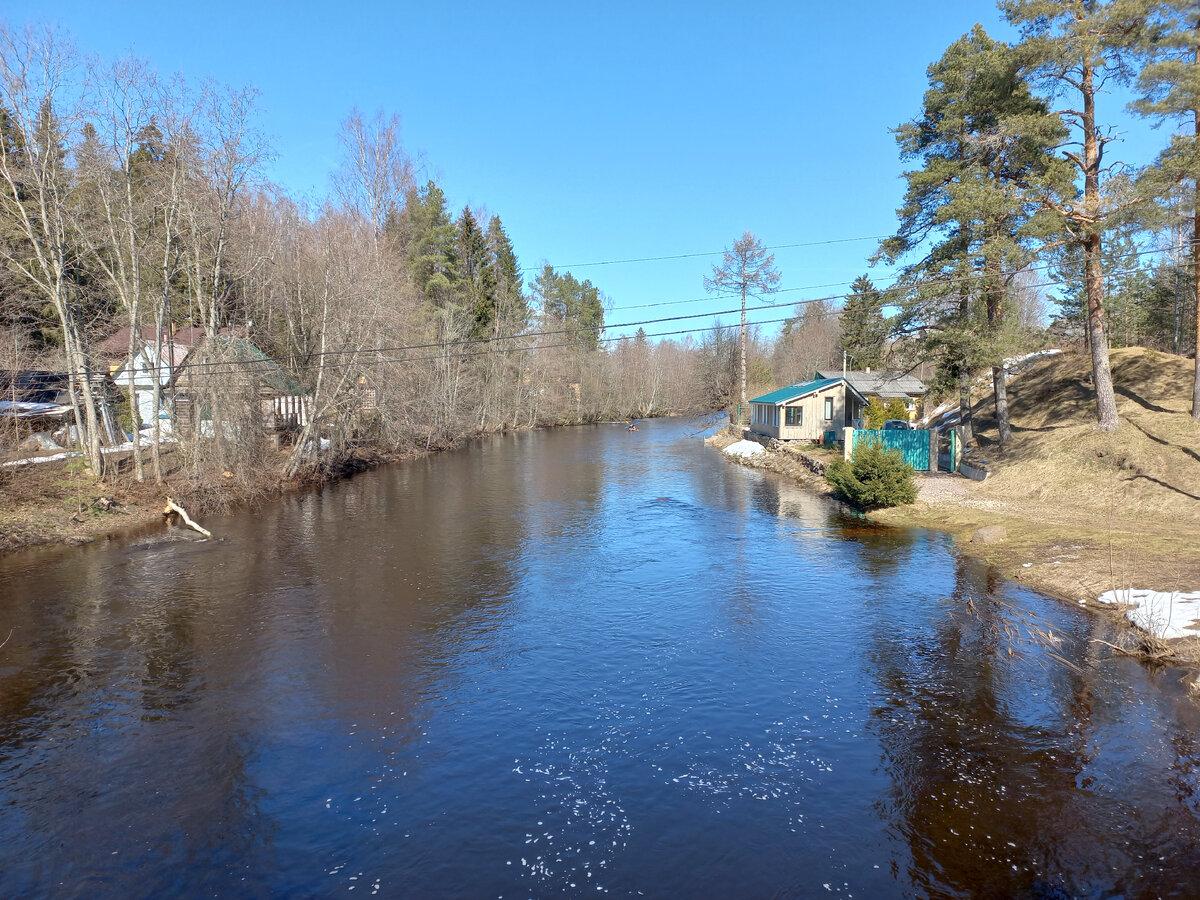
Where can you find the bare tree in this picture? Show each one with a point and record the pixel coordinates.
(35, 92)
(376, 173)
(229, 154)
(748, 270)
(115, 219)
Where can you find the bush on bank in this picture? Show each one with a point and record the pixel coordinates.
(873, 478)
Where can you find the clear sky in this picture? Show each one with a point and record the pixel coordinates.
(597, 132)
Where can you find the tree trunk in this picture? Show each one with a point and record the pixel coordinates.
(743, 400)
(1106, 403)
(964, 405)
(1196, 275)
(135, 412)
(1000, 386)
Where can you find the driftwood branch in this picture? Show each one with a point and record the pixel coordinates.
(173, 507)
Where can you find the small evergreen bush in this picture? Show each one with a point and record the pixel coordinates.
(874, 477)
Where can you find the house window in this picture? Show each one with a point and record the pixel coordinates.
(794, 415)
(828, 408)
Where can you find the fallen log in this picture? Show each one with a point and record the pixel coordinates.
(173, 507)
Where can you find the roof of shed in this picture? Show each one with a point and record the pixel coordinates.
(795, 391)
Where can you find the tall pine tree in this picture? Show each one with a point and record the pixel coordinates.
(1170, 88)
(1075, 46)
(864, 326)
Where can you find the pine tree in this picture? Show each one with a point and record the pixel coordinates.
(577, 307)
(429, 237)
(864, 326)
(749, 271)
(1075, 46)
(1170, 88)
(985, 145)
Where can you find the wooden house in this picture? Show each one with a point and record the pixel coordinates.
(809, 411)
(233, 367)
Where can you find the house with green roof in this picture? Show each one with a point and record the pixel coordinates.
(804, 412)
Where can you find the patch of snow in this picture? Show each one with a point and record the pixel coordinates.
(744, 449)
(1166, 614)
(34, 460)
(146, 440)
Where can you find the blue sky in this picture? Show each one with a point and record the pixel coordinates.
(597, 132)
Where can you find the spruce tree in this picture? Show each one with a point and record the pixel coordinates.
(864, 326)
(512, 307)
(476, 278)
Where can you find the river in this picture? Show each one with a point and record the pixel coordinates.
(571, 663)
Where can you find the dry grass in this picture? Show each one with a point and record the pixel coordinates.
(1087, 511)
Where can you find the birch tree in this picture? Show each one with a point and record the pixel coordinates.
(115, 163)
(37, 97)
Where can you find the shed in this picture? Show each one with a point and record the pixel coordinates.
(807, 411)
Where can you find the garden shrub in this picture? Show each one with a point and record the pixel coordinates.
(875, 414)
(874, 477)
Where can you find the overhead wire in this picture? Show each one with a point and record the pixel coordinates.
(303, 361)
(381, 354)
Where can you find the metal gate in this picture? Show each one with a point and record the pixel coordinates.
(913, 445)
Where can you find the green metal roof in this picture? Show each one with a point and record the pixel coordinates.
(794, 391)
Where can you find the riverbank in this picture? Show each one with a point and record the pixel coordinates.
(61, 502)
(1070, 511)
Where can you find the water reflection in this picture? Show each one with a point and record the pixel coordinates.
(565, 662)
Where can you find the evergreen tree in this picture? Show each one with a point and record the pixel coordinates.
(429, 238)
(749, 271)
(864, 326)
(1075, 46)
(985, 145)
(1170, 88)
(476, 278)
(577, 307)
(511, 303)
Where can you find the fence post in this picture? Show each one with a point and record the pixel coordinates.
(933, 450)
(847, 442)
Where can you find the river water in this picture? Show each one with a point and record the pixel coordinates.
(573, 663)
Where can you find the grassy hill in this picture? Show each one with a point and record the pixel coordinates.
(1088, 510)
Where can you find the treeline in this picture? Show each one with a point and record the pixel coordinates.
(128, 199)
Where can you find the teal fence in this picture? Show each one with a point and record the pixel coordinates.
(913, 445)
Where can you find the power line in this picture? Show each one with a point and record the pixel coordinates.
(641, 259)
(303, 362)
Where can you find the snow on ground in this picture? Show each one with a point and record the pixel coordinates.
(1166, 614)
(745, 448)
(145, 440)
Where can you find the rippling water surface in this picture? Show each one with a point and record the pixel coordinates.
(574, 663)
